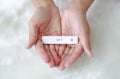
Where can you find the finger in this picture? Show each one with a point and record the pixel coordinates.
(66, 52)
(86, 45)
(84, 33)
(65, 57)
(61, 49)
(43, 54)
(57, 48)
(33, 33)
(84, 37)
(52, 62)
(74, 56)
(54, 54)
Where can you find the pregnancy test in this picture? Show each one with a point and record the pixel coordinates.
(60, 39)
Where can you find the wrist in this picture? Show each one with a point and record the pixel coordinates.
(82, 4)
(43, 3)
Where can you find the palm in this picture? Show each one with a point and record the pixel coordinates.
(74, 24)
(50, 24)
(45, 22)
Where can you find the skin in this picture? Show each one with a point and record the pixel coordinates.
(45, 22)
(74, 23)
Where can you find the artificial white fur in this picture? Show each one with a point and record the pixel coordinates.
(16, 62)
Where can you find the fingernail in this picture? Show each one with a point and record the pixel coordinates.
(91, 54)
(51, 66)
(27, 47)
(61, 68)
(66, 65)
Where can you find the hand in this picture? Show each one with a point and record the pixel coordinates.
(45, 22)
(74, 23)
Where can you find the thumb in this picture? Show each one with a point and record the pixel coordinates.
(86, 45)
(85, 41)
(33, 34)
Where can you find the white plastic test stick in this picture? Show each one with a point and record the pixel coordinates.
(60, 39)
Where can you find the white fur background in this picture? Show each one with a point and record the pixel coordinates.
(16, 62)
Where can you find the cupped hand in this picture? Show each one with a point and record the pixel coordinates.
(74, 23)
(45, 22)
